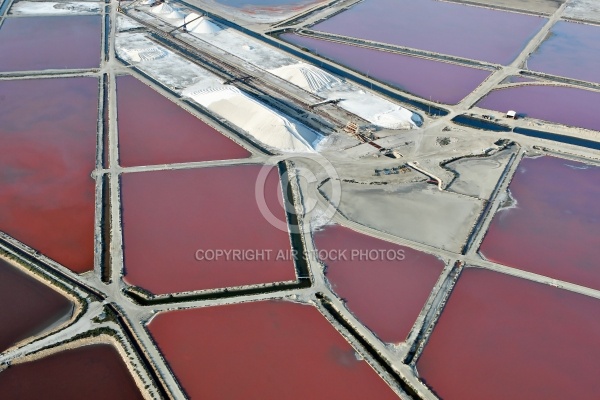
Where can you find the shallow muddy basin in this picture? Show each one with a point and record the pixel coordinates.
(47, 154)
(571, 50)
(57, 42)
(263, 350)
(490, 35)
(501, 337)
(94, 372)
(30, 306)
(431, 80)
(383, 284)
(174, 223)
(154, 130)
(555, 226)
(560, 104)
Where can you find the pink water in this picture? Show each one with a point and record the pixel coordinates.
(58, 42)
(502, 337)
(571, 50)
(47, 154)
(555, 228)
(466, 31)
(265, 350)
(94, 372)
(564, 105)
(29, 306)
(169, 215)
(154, 130)
(438, 81)
(386, 291)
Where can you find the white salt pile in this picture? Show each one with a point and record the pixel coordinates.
(307, 77)
(175, 14)
(367, 105)
(205, 26)
(162, 9)
(265, 124)
(199, 24)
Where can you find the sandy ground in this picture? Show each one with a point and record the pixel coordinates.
(536, 6)
(54, 8)
(477, 177)
(414, 211)
(583, 9)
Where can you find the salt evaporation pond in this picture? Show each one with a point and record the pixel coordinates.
(154, 130)
(168, 216)
(490, 35)
(501, 337)
(571, 50)
(385, 290)
(94, 372)
(560, 104)
(29, 306)
(57, 42)
(441, 82)
(264, 350)
(555, 227)
(47, 153)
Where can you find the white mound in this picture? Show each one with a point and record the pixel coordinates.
(162, 9)
(176, 14)
(307, 77)
(201, 25)
(375, 109)
(265, 124)
(192, 19)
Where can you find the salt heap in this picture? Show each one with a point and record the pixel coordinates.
(199, 24)
(162, 9)
(308, 77)
(369, 106)
(175, 14)
(264, 123)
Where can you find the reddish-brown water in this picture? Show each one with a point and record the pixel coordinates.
(154, 130)
(33, 306)
(565, 105)
(438, 81)
(385, 288)
(571, 50)
(94, 372)
(169, 216)
(47, 153)
(555, 228)
(502, 337)
(489, 35)
(265, 350)
(39, 43)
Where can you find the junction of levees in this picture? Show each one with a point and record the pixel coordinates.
(299, 199)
